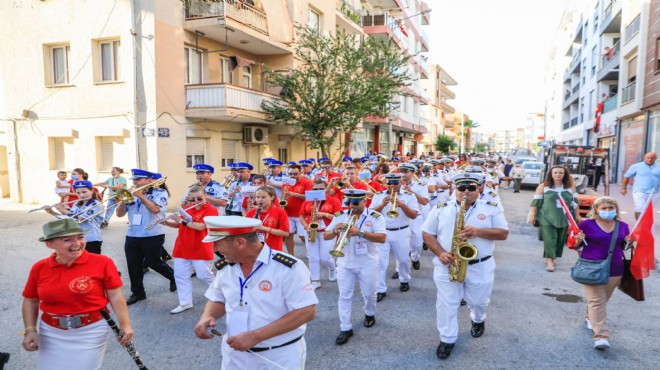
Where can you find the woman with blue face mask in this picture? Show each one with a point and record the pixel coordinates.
(597, 231)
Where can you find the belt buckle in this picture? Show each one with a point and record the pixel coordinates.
(70, 322)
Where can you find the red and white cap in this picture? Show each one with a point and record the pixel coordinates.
(220, 227)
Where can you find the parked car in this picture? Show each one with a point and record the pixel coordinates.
(526, 159)
(533, 172)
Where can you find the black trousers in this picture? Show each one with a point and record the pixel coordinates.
(231, 213)
(145, 249)
(94, 247)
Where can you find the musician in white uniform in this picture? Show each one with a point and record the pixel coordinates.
(235, 196)
(484, 223)
(398, 231)
(421, 193)
(360, 259)
(275, 177)
(265, 295)
(216, 194)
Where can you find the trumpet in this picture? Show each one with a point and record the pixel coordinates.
(342, 183)
(228, 180)
(343, 237)
(314, 224)
(392, 213)
(382, 159)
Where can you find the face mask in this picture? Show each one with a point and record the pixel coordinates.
(74, 177)
(607, 215)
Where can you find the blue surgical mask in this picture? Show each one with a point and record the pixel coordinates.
(74, 177)
(607, 215)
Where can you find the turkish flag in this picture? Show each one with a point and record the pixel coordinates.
(643, 260)
(573, 228)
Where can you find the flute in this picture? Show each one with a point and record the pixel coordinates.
(130, 348)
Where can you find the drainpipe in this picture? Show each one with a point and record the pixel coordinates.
(136, 108)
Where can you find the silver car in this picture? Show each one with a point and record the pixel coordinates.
(532, 173)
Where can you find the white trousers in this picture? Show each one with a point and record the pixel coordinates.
(399, 242)
(74, 349)
(476, 290)
(346, 278)
(318, 253)
(416, 239)
(291, 357)
(183, 268)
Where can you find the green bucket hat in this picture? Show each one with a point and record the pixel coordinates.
(61, 227)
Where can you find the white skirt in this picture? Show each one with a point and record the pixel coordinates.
(74, 349)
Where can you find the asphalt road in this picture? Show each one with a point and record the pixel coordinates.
(535, 319)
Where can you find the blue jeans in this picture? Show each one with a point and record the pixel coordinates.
(111, 210)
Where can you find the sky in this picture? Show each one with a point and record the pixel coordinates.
(497, 51)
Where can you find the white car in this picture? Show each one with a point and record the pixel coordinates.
(533, 172)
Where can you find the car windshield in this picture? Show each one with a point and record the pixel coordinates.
(532, 166)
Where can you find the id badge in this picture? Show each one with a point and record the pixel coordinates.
(361, 248)
(237, 321)
(136, 220)
(559, 204)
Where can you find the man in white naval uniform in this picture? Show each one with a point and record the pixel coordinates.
(421, 193)
(484, 223)
(360, 259)
(265, 295)
(398, 231)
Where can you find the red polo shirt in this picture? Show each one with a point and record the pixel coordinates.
(293, 204)
(74, 289)
(189, 243)
(340, 196)
(329, 205)
(276, 218)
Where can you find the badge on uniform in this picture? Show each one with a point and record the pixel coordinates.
(136, 220)
(237, 321)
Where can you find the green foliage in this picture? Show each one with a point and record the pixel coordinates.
(338, 81)
(444, 143)
(481, 148)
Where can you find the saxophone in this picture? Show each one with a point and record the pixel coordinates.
(313, 224)
(462, 251)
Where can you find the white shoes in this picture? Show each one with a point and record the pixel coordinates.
(602, 344)
(332, 275)
(181, 308)
(589, 324)
(316, 285)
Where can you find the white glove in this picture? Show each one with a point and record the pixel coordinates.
(184, 214)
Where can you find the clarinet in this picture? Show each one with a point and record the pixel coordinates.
(256, 214)
(130, 348)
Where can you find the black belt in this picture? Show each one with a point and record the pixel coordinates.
(401, 228)
(474, 262)
(261, 349)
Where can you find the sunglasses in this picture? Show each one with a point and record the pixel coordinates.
(352, 201)
(199, 199)
(405, 171)
(294, 173)
(463, 188)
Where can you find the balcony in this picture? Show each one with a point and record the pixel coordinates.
(574, 67)
(611, 18)
(628, 93)
(632, 29)
(423, 68)
(610, 104)
(610, 64)
(426, 15)
(574, 122)
(447, 108)
(349, 18)
(423, 97)
(233, 23)
(383, 27)
(566, 125)
(571, 96)
(425, 42)
(578, 32)
(225, 102)
(446, 92)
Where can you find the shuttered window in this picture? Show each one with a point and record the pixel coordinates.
(229, 152)
(195, 151)
(283, 155)
(632, 69)
(62, 153)
(110, 149)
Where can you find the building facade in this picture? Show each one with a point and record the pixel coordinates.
(440, 112)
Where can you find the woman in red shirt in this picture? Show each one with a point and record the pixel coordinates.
(274, 220)
(318, 252)
(189, 250)
(71, 287)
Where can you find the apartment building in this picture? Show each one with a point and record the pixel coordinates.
(440, 113)
(162, 86)
(651, 92)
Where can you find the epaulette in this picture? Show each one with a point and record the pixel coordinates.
(285, 260)
(221, 263)
(492, 194)
(338, 213)
(490, 203)
(375, 214)
(440, 205)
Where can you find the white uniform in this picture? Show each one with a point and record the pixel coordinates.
(441, 195)
(360, 263)
(398, 238)
(277, 180)
(213, 189)
(236, 203)
(279, 284)
(478, 284)
(416, 240)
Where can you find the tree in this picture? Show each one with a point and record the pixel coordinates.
(444, 143)
(469, 125)
(339, 80)
(481, 148)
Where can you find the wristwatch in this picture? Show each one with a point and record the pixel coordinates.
(184, 222)
(361, 234)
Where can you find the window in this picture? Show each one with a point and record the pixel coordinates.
(596, 23)
(109, 60)
(591, 113)
(283, 155)
(225, 73)
(229, 152)
(195, 151)
(247, 77)
(61, 153)
(314, 20)
(191, 60)
(594, 61)
(59, 64)
(657, 54)
(404, 104)
(109, 148)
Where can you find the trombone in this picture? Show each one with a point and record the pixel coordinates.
(392, 213)
(55, 205)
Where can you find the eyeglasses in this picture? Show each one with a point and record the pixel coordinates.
(199, 199)
(294, 173)
(463, 188)
(352, 201)
(405, 171)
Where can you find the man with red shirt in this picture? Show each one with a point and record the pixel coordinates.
(295, 198)
(189, 250)
(351, 183)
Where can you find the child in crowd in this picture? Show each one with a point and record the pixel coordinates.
(62, 186)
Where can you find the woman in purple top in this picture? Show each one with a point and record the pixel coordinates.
(597, 231)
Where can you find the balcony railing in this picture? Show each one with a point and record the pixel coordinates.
(232, 9)
(608, 10)
(612, 54)
(574, 121)
(610, 104)
(567, 124)
(628, 93)
(349, 11)
(223, 96)
(386, 20)
(633, 28)
(425, 40)
(576, 88)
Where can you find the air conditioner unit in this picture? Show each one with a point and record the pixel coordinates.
(255, 135)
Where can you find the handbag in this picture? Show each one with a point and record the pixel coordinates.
(595, 272)
(629, 285)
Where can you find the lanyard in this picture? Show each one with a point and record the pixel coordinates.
(244, 282)
(364, 219)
